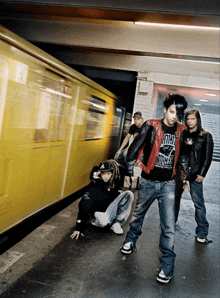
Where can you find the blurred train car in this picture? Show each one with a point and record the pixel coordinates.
(55, 125)
(126, 126)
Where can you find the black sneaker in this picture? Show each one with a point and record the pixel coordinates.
(162, 277)
(127, 248)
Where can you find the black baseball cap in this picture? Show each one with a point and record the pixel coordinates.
(106, 166)
(137, 114)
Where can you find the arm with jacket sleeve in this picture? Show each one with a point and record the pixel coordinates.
(117, 185)
(183, 157)
(208, 154)
(135, 147)
(85, 208)
(94, 174)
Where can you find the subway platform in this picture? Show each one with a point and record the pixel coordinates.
(48, 263)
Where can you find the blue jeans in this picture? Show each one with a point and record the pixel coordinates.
(120, 209)
(164, 192)
(196, 191)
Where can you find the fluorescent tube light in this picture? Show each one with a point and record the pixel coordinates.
(177, 26)
(211, 94)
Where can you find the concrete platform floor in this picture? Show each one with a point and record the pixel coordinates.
(47, 263)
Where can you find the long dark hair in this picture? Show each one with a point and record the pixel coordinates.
(198, 117)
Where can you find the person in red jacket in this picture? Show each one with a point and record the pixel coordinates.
(104, 204)
(157, 150)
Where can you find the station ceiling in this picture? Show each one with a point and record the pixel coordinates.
(99, 34)
(28, 18)
(194, 12)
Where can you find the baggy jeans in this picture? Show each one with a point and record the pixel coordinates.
(196, 191)
(120, 209)
(164, 192)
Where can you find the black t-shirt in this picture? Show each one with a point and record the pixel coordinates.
(163, 168)
(190, 138)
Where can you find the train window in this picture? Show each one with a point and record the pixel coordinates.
(127, 124)
(95, 119)
(62, 113)
(20, 104)
(43, 118)
(35, 108)
(116, 125)
(53, 112)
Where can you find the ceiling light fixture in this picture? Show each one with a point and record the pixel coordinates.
(177, 26)
(211, 94)
(205, 100)
(197, 104)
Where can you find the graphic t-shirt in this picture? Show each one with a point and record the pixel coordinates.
(163, 168)
(189, 139)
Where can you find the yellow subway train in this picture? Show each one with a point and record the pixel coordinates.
(55, 125)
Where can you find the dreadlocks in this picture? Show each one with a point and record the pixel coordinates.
(115, 173)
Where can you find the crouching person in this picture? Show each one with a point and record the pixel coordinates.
(104, 203)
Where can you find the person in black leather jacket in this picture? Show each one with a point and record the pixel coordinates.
(200, 149)
(157, 150)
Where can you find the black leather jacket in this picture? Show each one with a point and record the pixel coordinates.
(146, 139)
(202, 151)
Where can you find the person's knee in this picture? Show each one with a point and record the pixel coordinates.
(168, 229)
(129, 194)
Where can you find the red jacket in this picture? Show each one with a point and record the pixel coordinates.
(145, 148)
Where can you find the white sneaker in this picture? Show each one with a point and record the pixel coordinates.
(116, 228)
(201, 240)
(127, 248)
(162, 277)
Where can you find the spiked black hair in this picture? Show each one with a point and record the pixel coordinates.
(180, 103)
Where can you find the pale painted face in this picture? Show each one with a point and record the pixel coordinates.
(137, 121)
(106, 176)
(170, 115)
(191, 122)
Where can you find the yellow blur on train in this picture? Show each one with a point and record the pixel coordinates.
(55, 125)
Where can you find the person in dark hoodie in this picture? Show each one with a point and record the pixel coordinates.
(104, 203)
